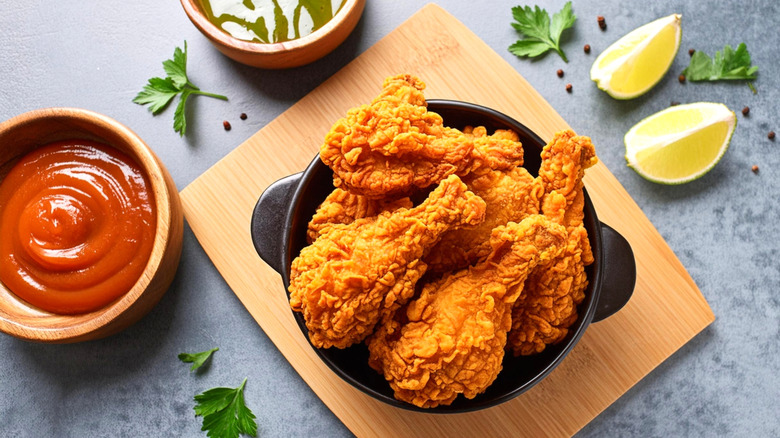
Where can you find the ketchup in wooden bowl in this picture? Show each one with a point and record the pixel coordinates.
(77, 220)
(91, 226)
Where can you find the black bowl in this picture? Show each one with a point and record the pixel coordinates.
(279, 224)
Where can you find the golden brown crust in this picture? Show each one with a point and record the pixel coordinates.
(510, 196)
(501, 150)
(394, 145)
(523, 273)
(548, 307)
(451, 339)
(342, 207)
(355, 273)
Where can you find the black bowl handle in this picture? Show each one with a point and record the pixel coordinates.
(269, 217)
(619, 273)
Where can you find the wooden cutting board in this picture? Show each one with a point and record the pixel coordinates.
(666, 310)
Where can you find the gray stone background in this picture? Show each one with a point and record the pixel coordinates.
(723, 227)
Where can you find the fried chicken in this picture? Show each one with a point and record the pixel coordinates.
(510, 196)
(342, 207)
(501, 150)
(506, 276)
(394, 145)
(356, 273)
(548, 307)
(451, 339)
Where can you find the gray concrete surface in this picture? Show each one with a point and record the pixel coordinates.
(723, 227)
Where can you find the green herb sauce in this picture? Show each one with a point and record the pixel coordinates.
(270, 21)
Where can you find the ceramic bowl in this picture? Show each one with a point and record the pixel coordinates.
(279, 225)
(31, 130)
(282, 55)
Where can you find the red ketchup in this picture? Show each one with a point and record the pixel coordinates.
(77, 226)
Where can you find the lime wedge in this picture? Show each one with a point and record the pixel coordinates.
(636, 62)
(680, 143)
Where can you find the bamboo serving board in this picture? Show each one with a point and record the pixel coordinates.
(666, 310)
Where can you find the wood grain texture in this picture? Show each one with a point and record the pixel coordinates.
(33, 129)
(665, 311)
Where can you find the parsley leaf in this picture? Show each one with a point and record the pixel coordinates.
(177, 67)
(729, 64)
(196, 359)
(540, 33)
(159, 92)
(224, 413)
(179, 119)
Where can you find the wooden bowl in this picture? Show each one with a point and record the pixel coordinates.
(31, 130)
(287, 54)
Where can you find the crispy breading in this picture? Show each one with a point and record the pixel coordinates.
(510, 196)
(548, 307)
(342, 207)
(394, 145)
(354, 274)
(501, 150)
(506, 276)
(451, 339)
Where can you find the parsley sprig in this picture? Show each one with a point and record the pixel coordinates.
(729, 64)
(159, 92)
(197, 359)
(224, 413)
(541, 34)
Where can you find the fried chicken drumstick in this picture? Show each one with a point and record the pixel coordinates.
(510, 196)
(394, 145)
(342, 207)
(353, 274)
(510, 192)
(451, 339)
(548, 306)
